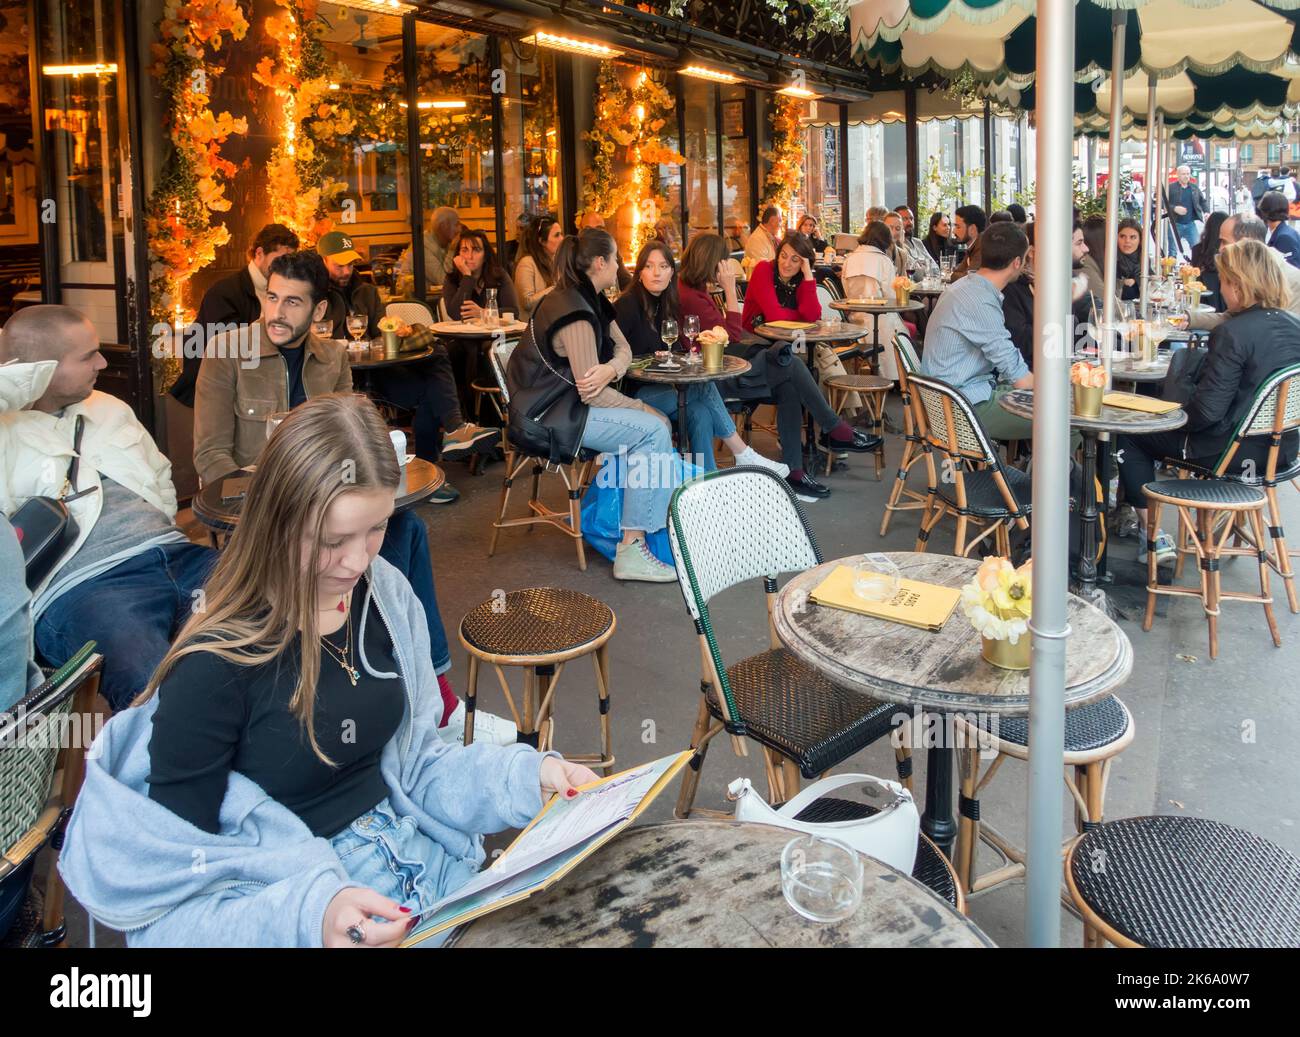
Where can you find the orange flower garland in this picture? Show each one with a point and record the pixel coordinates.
(192, 183)
(785, 174)
(299, 77)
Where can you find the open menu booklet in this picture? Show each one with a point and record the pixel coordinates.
(557, 840)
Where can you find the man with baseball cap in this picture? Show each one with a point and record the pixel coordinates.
(426, 387)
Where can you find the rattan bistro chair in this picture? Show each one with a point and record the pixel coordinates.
(575, 476)
(1274, 412)
(728, 527)
(915, 446)
(539, 629)
(1173, 881)
(411, 312)
(990, 494)
(34, 813)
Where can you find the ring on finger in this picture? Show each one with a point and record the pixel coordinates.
(356, 934)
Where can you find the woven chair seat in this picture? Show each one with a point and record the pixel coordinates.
(1234, 473)
(930, 869)
(983, 498)
(859, 383)
(792, 708)
(1207, 492)
(1087, 728)
(1189, 882)
(536, 621)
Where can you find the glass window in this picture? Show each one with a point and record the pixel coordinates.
(877, 168)
(1274, 153)
(821, 174)
(1248, 152)
(19, 256)
(739, 203)
(530, 135)
(702, 163)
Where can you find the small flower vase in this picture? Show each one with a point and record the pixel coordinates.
(901, 296)
(392, 345)
(1087, 400)
(1004, 654)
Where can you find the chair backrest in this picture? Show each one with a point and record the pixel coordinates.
(950, 422)
(500, 356)
(1274, 410)
(825, 296)
(411, 312)
(908, 361)
(32, 732)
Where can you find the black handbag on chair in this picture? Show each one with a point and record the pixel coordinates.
(44, 526)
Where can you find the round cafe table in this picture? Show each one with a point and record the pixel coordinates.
(1118, 420)
(940, 672)
(420, 479)
(466, 341)
(876, 309)
(372, 357)
(711, 884)
(682, 379)
(1139, 371)
(810, 336)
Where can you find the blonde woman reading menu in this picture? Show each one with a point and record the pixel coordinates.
(289, 737)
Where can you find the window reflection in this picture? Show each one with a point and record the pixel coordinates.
(701, 153)
(737, 189)
(530, 141)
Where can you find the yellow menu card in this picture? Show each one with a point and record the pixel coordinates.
(790, 325)
(1146, 404)
(557, 840)
(924, 605)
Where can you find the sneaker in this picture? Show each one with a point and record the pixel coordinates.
(1126, 521)
(445, 494)
(808, 489)
(750, 456)
(635, 561)
(488, 727)
(462, 440)
(1166, 550)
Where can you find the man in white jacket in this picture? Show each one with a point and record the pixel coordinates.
(131, 577)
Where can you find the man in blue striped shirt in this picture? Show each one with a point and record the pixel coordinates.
(967, 343)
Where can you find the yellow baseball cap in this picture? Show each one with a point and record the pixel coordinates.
(337, 247)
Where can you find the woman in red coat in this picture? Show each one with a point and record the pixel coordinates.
(775, 374)
(785, 289)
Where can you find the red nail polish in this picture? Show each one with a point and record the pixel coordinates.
(571, 793)
(405, 910)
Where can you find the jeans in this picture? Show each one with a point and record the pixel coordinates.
(1188, 232)
(389, 854)
(428, 389)
(707, 417)
(406, 548)
(649, 448)
(133, 611)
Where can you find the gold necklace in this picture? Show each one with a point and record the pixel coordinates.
(344, 658)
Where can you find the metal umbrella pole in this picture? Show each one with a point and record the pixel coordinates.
(1051, 492)
(1150, 224)
(1107, 330)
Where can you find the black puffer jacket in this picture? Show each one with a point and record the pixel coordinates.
(1244, 350)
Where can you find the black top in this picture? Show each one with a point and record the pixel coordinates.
(641, 334)
(232, 300)
(1018, 313)
(293, 360)
(215, 716)
(1286, 241)
(357, 296)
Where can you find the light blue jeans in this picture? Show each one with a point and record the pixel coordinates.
(386, 852)
(706, 416)
(648, 446)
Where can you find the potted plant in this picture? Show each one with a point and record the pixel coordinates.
(391, 327)
(903, 288)
(998, 602)
(1089, 384)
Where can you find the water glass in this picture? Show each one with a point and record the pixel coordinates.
(875, 578)
(947, 264)
(821, 878)
(273, 422)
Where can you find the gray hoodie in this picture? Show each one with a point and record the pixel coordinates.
(265, 880)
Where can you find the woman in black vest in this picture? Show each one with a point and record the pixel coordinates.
(562, 400)
(651, 299)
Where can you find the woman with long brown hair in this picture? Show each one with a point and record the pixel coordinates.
(535, 269)
(288, 740)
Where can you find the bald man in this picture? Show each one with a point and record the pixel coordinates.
(1240, 228)
(130, 578)
(441, 226)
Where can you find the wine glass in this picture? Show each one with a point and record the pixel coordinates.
(691, 328)
(323, 328)
(668, 332)
(357, 323)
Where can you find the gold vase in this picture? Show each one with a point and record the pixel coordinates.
(901, 296)
(713, 353)
(1004, 654)
(1087, 400)
(392, 345)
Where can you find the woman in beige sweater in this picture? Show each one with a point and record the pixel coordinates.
(534, 273)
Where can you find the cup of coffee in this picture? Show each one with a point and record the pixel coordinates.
(399, 444)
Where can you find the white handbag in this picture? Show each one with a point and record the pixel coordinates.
(890, 835)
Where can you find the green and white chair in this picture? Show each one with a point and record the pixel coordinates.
(730, 527)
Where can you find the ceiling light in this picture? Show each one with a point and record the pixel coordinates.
(700, 72)
(80, 70)
(377, 6)
(587, 48)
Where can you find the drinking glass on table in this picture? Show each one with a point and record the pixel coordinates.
(668, 332)
(947, 264)
(491, 315)
(875, 578)
(273, 422)
(691, 328)
(357, 323)
(322, 328)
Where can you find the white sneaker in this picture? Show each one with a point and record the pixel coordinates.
(488, 727)
(750, 456)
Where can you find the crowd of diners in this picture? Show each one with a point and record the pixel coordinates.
(283, 705)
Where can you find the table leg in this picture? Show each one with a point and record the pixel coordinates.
(810, 434)
(1088, 519)
(1104, 455)
(873, 362)
(937, 821)
(683, 436)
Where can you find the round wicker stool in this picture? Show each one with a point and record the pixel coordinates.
(1202, 505)
(540, 629)
(873, 389)
(1169, 881)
